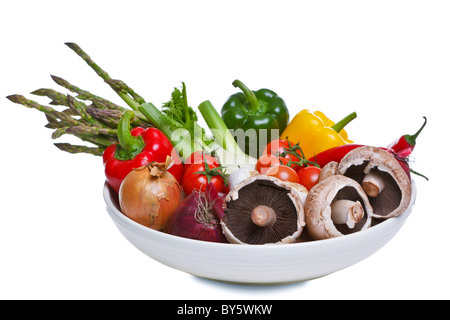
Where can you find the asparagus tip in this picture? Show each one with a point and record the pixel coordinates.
(14, 98)
(38, 92)
(70, 44)
(60, 81)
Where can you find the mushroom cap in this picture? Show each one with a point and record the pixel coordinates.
(328, 170)
(318, 207)
(284, 197)
(394, 199)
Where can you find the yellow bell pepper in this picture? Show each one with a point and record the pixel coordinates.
(314, 132)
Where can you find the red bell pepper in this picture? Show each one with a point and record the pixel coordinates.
(136, 148)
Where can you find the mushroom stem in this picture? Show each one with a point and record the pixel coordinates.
(346, 212)
(372, 184)
(263, 216)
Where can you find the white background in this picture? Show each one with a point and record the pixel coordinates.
(387, 60)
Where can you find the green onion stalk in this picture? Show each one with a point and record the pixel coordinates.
(227, 150)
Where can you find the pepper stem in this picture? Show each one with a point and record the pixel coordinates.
(338, 126)
(129, 146)
(411, 139)
(249, 94)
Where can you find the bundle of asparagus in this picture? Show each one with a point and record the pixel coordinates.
(95, 123)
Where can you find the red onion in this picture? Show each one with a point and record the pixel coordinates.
(198, 216)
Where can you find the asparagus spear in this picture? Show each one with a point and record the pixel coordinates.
(89, 130)
(58, 99)
(124, 91)
(98, 101)
(49, 111)
(82, 94)
(80, 108)
(108, 117)
(120, 86)
(65, 124)
(97, 123)
(79, 149)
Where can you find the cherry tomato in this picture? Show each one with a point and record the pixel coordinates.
(199, 157)
(308, 176)
(267, 161)
(226, 189)
(197, 181)
(284, 173)
(278, 147)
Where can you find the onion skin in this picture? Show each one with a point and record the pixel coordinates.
(149, 199)
(185, 224)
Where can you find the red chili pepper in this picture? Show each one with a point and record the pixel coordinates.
(334, 154)
(406, 143)
(337, 153)
(400, 149)
(136, 148)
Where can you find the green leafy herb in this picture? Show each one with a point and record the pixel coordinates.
(179, 110)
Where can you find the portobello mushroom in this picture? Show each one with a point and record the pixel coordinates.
(263, 209)
(337, 206)
(382, 178)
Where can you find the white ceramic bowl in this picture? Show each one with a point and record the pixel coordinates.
(256, 264)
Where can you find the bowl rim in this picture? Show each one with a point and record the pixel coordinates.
(387, 224)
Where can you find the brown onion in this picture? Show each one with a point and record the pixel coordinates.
(149, 195)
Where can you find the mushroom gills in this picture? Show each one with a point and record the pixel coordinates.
(384, 194)
(263, 213)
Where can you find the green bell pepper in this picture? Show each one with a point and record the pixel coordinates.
(262, 109)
